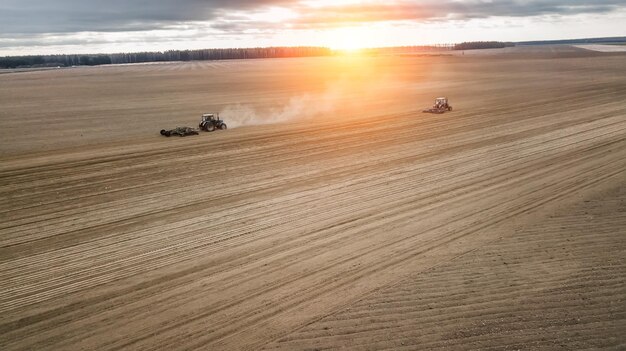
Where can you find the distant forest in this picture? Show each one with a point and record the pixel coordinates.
(482, 45)
(607, 40)
(171, 55)
(35, 61)
(394, 50)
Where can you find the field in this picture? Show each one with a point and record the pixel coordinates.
(331, 214)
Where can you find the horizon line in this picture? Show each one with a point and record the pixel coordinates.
(440, 45)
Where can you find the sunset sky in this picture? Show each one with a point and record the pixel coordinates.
(91, 26)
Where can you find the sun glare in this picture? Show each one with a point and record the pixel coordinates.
(327, 3)
(349, 39)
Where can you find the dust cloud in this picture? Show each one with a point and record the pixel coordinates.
(341, 98)
(304, 106)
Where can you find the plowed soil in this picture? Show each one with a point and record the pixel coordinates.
(364, 224)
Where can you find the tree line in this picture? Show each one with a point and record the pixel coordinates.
(158, 56)
(472, 45)
(605, 40)
(218, 54)
(393, 50)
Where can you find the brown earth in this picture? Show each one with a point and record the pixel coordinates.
(360, 223)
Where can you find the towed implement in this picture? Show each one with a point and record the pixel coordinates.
(180, 131)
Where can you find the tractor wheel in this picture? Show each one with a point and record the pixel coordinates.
(223, 126)
(168, 133)
(449, 108)
(163, 131)
(210, 127)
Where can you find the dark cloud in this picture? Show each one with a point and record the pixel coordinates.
(481, 9)
(59, 16)
(66, 16)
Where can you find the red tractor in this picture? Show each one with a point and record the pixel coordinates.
(441, 105)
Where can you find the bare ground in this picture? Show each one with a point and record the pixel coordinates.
(499, 225)
(542, 286)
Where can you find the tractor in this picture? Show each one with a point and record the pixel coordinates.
(211, 121)
(441, 105)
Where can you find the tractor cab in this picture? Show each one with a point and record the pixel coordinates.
(210, 117)
(441, 102)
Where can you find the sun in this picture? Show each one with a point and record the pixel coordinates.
(349, 39)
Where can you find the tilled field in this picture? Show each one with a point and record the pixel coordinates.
(540, 287)
(498, 225)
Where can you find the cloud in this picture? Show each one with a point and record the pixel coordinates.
(30, 23)
(441, 10)
(63, 16)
